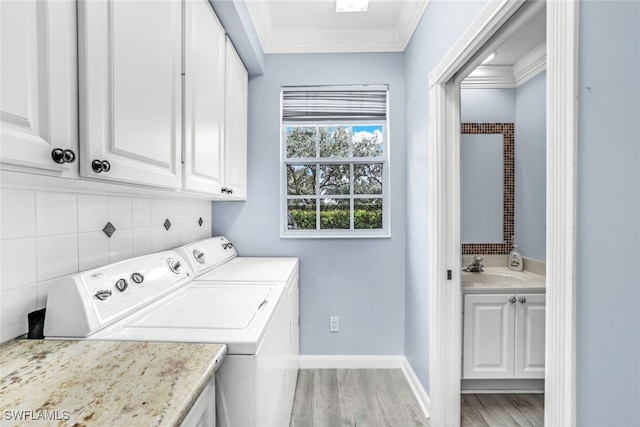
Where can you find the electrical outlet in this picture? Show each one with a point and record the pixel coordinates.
(334, 326)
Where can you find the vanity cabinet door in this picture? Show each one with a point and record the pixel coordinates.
(130, 69)
(38, 93)
(489, 336)
(204, 99)
(530, 333)
(236, 126)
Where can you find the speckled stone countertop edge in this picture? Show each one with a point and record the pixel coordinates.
(103, 382)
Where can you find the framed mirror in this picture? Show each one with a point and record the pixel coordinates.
(487, 214)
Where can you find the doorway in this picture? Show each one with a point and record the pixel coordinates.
(445, 240)
(502, 203)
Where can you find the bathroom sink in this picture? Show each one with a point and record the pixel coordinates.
(495, 278)
(498, 278)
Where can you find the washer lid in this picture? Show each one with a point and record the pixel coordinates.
(253, 269)
(206, 307)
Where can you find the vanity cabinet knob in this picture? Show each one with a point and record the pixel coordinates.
(522, 300)
(512, 300)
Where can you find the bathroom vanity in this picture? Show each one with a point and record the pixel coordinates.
(503, 325)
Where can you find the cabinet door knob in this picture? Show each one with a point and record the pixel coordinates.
(512, 300)
(522, 300)
(61, 156)
(99, 166)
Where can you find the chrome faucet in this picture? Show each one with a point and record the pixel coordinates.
(476, 266)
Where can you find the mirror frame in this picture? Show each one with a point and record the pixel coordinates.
(507, 130)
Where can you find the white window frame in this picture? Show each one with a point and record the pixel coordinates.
(383, 232)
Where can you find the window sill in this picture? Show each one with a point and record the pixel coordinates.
(335, 234)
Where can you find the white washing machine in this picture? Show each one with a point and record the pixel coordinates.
(154, 298)
(215, 260)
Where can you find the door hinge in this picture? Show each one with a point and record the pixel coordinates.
(448, 274)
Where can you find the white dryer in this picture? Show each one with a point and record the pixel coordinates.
(215, 260)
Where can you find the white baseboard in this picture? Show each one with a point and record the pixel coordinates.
(371, 362)
(351, 362)
(418, 390)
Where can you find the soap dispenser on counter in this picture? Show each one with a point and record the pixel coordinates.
(515, 259)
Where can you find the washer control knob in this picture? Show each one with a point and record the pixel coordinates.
(137, 278)
(175, 265)
(102, 294)
(122, 284)
(199, 256)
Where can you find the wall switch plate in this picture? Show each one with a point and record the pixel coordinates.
(334, 326)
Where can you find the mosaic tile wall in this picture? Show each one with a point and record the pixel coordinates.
(508, 139)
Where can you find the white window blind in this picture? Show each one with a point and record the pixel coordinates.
(308, 104)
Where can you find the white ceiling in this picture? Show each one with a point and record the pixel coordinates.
(518, 58)
(313, 26)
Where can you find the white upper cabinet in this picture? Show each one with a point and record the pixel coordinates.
(204, 102)
(38, 92)
(130, 66)
(236, 126)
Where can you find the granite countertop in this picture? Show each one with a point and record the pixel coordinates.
(106, 383)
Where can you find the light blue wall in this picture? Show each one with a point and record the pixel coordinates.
(359, 280)
(530, 163)
(487, 105)
(608, 228)
(442, 24)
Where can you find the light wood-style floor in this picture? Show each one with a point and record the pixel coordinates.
(355, 397)
(383, 398)
(504, 410)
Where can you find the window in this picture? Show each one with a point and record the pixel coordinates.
(335, 168)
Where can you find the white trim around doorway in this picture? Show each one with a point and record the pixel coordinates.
(444, 190)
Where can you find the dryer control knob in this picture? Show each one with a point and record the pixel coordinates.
(199, 256)
(174, 265)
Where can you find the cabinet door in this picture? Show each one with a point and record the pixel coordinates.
(38, 93)
(530, 330)
(204, 99)
(236, 125)
(293, 304)
(489, 323)
(130, 55)
(203, 411)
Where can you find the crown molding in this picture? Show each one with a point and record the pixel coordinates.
(285, 40)
(490, 76)
(507, 76)
(531, 64)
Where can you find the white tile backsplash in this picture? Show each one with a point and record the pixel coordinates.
(56, 256)
(93, 212)
(18, 263)
(120, 214)
(15, 304)
(141, 212)
(121, 245)
(17, 214)
(46, 235)
(93, 250)
(56, 213)
(142, 241)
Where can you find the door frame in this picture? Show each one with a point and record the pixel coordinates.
(444, 200)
